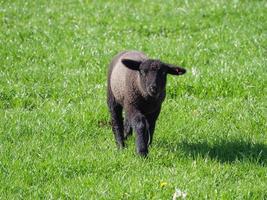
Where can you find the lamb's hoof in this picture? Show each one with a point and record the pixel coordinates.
(143, 153)
(120, 145)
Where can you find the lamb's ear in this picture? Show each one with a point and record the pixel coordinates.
(175, 70)
(131, 64)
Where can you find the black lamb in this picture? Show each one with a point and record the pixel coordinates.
(137, 85)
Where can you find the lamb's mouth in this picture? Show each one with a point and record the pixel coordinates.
(153, 93)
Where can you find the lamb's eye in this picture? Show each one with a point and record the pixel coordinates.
(143, 72)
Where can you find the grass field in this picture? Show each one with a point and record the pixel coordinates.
(211, 137)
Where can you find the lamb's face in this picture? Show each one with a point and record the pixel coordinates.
(153, 75)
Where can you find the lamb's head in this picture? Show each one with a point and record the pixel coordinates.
(153, 74)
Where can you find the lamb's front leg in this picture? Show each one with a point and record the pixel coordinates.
(141, 126)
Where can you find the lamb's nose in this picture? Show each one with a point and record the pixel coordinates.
(153, 89)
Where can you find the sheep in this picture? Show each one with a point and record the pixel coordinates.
(137, 84)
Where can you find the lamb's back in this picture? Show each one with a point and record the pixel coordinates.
(122, 79)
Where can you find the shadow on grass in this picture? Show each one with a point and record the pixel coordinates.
(223, 151)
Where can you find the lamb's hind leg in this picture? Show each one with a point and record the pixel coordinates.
(152, 119)
(128, 131)
(116, 120)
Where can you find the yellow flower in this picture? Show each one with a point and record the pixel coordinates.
(163, 184)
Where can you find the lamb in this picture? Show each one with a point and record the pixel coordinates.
(137, 84)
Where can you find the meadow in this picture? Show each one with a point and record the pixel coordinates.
(55, 138)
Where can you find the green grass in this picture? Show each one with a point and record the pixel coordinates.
(211, 137)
